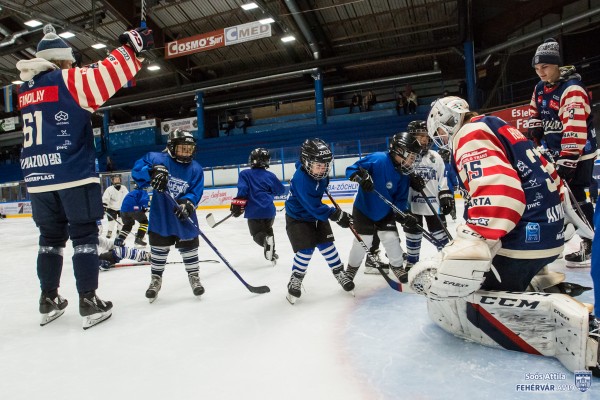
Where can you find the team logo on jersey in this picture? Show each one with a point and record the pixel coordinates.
(523, 169)
(532, 232)
(389, 185)
(583, 380)
(531, 184)
(60, 117)
(177, 186)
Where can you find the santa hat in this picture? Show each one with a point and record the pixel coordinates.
(547, 53)
(52, 47)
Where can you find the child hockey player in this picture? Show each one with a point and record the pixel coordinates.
(306, 216)
(172, 173)
(109, 254)
(134, 207)
(256, 190)
(432, 169)
(388, 173)
(111, 200)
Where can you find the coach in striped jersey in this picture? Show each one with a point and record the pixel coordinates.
(560, 118)
(58, 161)
(515, 223)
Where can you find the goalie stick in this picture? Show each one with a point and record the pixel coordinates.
(210, 220)
(253, 289)
(393, 284)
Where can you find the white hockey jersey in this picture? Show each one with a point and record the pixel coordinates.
(431, 169)
(113, 198)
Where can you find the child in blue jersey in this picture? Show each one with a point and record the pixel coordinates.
(307, 217)
(173, 173)
(256, 190)
(58, 161)
(388, 173)
(133, 208)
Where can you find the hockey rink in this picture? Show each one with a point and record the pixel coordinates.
(232, 344)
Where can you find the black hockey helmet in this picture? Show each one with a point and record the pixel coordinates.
(406, 146)
(179, 137)
(418, 129)
(315, 151)
(259, 158)
(115, 179)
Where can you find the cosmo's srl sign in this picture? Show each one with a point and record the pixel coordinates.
(212, 40)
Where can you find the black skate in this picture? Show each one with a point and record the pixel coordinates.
(139, 242)
(154, 288)
(52, 306)
(294, 287)
(581, 258)
(400, 273)
(371, 267)
(351, 272)
(197, 287)
(342, 279)
(93, 310)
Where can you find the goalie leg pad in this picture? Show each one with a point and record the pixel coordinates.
(553, 325)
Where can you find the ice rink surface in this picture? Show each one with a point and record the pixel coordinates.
(232, 344)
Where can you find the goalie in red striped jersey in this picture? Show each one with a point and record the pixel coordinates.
(476, 286)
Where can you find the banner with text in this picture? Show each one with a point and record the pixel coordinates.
(187, 124)
(147, 123)
(515, 116)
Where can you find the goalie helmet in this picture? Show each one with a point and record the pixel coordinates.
(316, 158)
(419, 130)
(178, 146)
(406, 146)
(447, 114)
(259, 158)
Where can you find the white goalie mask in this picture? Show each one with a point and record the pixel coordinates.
(445, 119)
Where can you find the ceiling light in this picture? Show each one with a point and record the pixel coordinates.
(153, 67)
(34, 23)
(66, 35)
(266, 21)
(99, 45)
(249, 6)
(18, 82)
(288, 38)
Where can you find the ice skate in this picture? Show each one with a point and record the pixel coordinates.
(139, 242)
(93, 309)
(269, 247)
(408, 266)
(197, 287)
(154, 288)
(343, 280)
(400, 273)
(52, 306)
(371, 267)
(295, 287)
(581, 258)
(351, 272)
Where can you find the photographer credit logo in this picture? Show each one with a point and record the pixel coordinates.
(583, 380)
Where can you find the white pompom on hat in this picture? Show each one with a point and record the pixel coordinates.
(547, 53)
(52, 47)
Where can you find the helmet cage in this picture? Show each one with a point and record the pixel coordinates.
(315, 152)
(259, 158)
(179, 137)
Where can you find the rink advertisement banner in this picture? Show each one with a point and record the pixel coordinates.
(246, 32)
(195, 44)
(20, 209)
(187, 124)
(343, 191)
(97, 131)
(515, 116)
(147, 123)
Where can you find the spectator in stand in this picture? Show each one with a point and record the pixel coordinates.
(357, 100)
(412, 102)
(110, 166)
(370, 100)
(246, 122)
(230, 125)
(401, 103)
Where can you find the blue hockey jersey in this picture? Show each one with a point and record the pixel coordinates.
(186, 181)
(305, 202)
(259, 186)
(389, 182)
(136, 200)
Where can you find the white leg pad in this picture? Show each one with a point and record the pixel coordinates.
(553, 325)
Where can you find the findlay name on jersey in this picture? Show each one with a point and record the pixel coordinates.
(40, 160)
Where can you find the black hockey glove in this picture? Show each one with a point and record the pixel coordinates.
(342, 218)
(417, 183)
(185, 209)
(139, 39)
(565, 168)
(238, 206)
(407, 220)
(364, 179)
(160, 176)
(119, 242)
(446, 201)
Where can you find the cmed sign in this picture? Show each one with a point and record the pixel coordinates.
(246, 32)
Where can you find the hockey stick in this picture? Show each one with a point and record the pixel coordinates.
(135, 264)
(111, 218)
(393, 284)
(253, 289)
(143, 13)
(422, 193)
(210, 220)
(426, 234)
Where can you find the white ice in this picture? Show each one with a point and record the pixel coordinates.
(232, 344)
